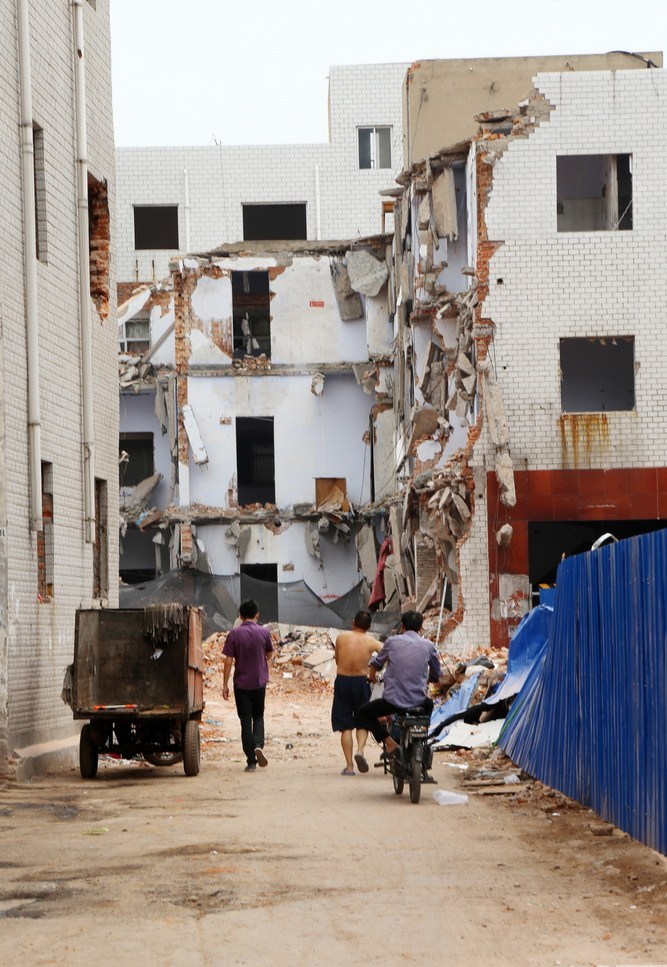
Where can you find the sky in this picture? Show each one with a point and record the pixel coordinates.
(188, 72)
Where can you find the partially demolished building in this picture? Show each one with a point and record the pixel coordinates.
(529, 284)
(438, 436)
(275, 427)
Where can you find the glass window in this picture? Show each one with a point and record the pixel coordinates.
(374, 147)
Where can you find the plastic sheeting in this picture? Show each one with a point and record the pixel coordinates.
(220, 596)
(591, 719)
(452, 706)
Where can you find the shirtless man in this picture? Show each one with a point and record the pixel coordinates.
(354, 650)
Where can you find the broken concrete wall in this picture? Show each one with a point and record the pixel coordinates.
(333, 575)
(314, 436)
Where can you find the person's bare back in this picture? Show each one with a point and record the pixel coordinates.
(354, 650)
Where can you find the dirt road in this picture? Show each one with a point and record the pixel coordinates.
(296, 865)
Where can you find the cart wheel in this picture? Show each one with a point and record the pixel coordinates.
(87, 754)
(191, 747)
(163, 758)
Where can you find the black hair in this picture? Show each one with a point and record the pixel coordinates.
(362, 620)
(249, 609)
(412, 620)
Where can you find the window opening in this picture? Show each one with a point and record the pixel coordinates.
(39, 180)
(597, 374)
(331, 494)
(260, 582)
(266, 222)
(156, 227)
(252, 319)
(374, 147)
(101, 545)
(255, 461)
(99, 241)
(140, 462)
(594, 193)
(45, 549)
(135, 334)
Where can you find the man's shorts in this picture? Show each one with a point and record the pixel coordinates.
(350, 691)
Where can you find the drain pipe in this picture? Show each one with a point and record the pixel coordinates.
(318, 210)
(186, 189)
(84, 275)
(30, 269)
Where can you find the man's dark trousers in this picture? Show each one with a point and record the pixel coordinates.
(250, 710)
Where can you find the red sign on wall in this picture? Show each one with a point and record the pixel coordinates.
(316, 305)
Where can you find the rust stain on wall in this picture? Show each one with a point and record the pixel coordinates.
(582, 437)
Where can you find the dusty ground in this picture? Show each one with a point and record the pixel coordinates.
(296, 865)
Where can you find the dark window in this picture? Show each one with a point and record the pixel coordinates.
(266, 222)
(39, 177)
(260, 582)
(45, 549)
(252, 319)
(374, 147)
(594, 192)
(140, 460)
(101, 545)
(156, 226)
(597, 374)
(255, 460)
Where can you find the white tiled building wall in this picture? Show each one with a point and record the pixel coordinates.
(557, 284)
(222, 179)
(36, 639)
(562, 284)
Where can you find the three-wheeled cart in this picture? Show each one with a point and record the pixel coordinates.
(137, 678)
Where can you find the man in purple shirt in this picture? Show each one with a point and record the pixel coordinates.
(412, 662)
(247, 647)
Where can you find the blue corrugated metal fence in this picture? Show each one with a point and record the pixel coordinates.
(591, 720)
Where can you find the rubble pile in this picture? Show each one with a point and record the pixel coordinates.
(131, 369)
(300, 653)
(490, 664)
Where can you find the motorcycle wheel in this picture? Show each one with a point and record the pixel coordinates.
(415, 776)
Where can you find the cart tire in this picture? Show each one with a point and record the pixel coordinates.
(191, 749)
(163, 758)
(87, 754)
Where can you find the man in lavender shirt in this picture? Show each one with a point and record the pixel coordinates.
(412, 662)
(247, 647)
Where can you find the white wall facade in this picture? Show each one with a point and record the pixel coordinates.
(545, 285)
(36, 639)
(561, 284)
(222, 179)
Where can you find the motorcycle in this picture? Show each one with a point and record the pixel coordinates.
(413, 758)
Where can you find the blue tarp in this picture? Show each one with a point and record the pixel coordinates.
(455, 704)
(591, 719)
(526, 649)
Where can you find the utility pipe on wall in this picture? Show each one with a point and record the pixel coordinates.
(186, 189)
(30, 268)
(84, 275)
(318, 215)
